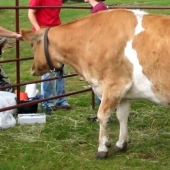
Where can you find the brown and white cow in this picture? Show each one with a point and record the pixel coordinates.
(123, 54)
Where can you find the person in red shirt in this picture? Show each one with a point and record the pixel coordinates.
(44, 17)
(48, 17)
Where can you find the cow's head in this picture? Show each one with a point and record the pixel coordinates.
(36, 38)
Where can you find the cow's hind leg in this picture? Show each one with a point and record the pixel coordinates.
(122, 113)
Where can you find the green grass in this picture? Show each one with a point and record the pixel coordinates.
(68, 141)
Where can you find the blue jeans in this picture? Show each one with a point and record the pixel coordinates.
(48, 89)
(98, 100)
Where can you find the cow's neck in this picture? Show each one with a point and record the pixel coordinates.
(67, 47)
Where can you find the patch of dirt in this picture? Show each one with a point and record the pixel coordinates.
(147, 156)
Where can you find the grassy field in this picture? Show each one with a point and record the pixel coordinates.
(68, 141)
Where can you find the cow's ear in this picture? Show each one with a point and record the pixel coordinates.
(29, 35)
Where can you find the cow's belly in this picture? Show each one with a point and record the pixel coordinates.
(97, 89)
(141, 91)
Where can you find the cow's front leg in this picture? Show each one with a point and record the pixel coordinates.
(122, 113)
(106, 107)
(104, 143)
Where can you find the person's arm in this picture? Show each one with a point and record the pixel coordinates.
(9, 34)
(33, 19)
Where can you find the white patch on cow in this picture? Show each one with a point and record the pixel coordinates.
(139, 16)
(97, 88)
(102, 146)
(141, 86)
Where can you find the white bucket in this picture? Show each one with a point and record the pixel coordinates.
(31, 90)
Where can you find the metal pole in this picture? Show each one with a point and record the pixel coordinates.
(17, 51)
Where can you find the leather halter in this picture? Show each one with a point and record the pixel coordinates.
(47, 55)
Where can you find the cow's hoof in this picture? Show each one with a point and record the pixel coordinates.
(123, 148)
(101, 155)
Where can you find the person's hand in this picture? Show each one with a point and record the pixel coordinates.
(19, 37)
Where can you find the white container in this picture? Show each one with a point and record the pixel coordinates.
(31, 118)
(31, 90)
